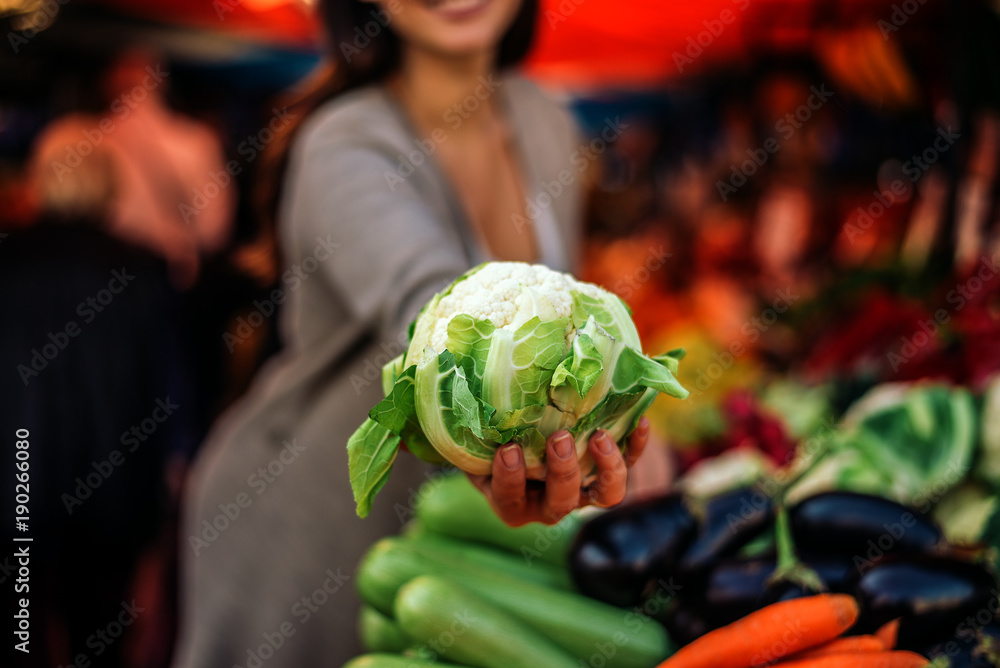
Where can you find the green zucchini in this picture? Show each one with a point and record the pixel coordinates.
(457, 553)
(380, 633)
(465, 628)
(451, 506)
(391, 661)
(586, 628)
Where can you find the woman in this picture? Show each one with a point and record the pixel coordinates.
(417, 166)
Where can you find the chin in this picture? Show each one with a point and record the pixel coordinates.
(456, 28)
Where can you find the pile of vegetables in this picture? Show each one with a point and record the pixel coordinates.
(509, 353)
(892, 560)
(461, 588)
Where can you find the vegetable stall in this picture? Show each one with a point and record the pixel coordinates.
(866, 535)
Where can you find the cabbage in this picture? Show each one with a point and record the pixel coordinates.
(509, 352)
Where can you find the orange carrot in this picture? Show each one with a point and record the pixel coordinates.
(862, 660)
(770, 634)
(888, 634)
(852, 645)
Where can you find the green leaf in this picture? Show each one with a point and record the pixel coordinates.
(470, 412)
(635, 370)
(371, 450)
(398, 413)
(610, 312)
(519, 365)
(469, 340)
(582, 367)
(447, 431)
(398, 409)
(671, 358)
(391, 371)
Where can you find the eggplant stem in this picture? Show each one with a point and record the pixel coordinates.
(788, 567)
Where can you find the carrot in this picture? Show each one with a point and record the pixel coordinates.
(862, 660)
(770, 633)
(852, 645)
(888, 633)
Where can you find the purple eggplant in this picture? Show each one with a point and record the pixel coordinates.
(731, 520)
(617, 554)
(737, 587)
(684, 624)
(934, 594)
(863, 526)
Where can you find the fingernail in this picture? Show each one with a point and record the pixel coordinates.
(511, 457)
(563, 447)
(604, 444)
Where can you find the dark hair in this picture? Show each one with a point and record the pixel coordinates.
(362, 50)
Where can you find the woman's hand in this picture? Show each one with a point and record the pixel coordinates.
(516, 502)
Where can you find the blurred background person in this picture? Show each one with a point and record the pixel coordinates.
(165, 202)
(97, 381)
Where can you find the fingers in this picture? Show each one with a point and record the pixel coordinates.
(637, 442)
(562, 477)
(508, 485)
(609, 488)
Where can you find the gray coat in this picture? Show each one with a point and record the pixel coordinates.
(370, 230)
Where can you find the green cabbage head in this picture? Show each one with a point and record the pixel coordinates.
(509, 352)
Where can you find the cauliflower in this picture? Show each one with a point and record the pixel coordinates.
(497, 293)
(509, 352)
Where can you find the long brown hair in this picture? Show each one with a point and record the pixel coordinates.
(362, 49)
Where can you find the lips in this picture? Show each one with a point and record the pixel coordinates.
(456, 9)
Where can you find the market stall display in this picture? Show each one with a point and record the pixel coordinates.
(706, 572)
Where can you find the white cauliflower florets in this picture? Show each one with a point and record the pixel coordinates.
(492, 292)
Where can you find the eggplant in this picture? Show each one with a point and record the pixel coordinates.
(731, 520)
(618, 553)
(863, 526)
(685, 624)
(737, 587)
(933, 595)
